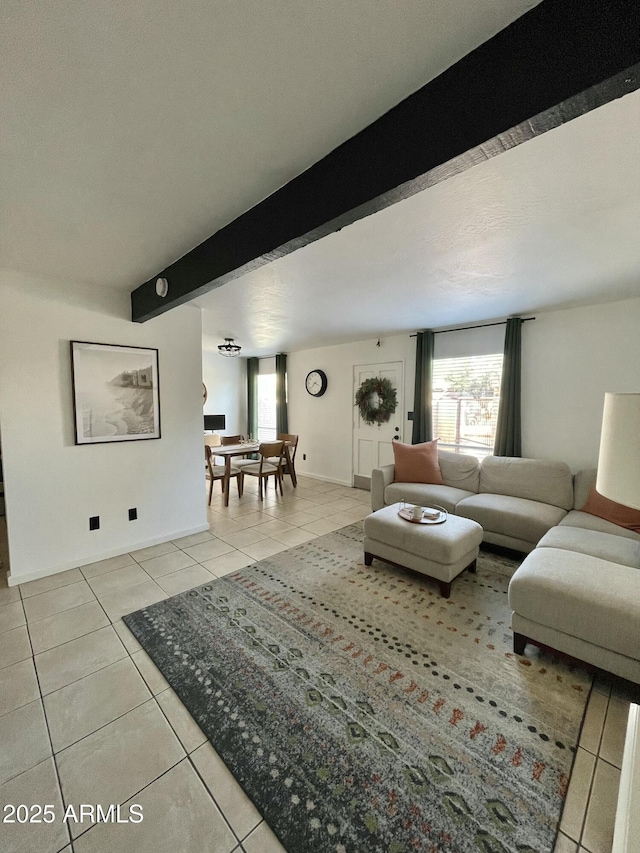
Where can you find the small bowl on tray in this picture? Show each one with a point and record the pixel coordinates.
(429, 514)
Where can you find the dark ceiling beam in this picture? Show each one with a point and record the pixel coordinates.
(560, 60)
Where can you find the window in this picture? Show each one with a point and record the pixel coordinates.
(466, 396)
(267, 407)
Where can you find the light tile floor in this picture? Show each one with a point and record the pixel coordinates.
(86, 717)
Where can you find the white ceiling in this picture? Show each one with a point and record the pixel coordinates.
(133, 130)
(551, 223)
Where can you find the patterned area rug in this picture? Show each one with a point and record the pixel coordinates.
(361, 711)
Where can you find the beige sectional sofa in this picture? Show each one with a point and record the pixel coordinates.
(515, 500)
(578, 589)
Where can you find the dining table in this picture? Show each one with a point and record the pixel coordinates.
(229, 451)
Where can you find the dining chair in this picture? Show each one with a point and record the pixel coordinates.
(266, 466)
(288, 467)
(228, 440)
(216, 472)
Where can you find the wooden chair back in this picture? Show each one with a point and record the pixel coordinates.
(292, 441)
(288, 463)
(270, 464)
(271, 449)
(215, 472)
(227, 440)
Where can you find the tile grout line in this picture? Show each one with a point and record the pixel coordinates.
(53, 755)
(99, 669)
(135, 794)
(583, 823)
(604, 723)
(598, 758)
(118, 717)
(151, 698)
(609, 764)
(60, 613)
(129, 655)
(210, 792)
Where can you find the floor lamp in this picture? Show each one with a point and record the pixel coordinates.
(619, 459)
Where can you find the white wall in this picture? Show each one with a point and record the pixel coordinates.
(325, 424)
(569, 359)
(226, 381)
(53, 486)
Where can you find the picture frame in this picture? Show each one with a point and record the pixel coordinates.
(116, 393)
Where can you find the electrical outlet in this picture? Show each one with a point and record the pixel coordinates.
(304, 457)
(94, 522)
(133, 514)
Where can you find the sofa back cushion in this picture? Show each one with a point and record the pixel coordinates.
(583, 482)
(623, 516)
(416, 463)
(460, 471)
(540, 480)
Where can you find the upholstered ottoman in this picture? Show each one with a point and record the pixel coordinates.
(439, 551)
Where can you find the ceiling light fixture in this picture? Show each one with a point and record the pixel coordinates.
(228, 348)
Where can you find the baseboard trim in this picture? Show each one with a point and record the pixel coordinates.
(360, 482)
(14, 580)
(324, 478)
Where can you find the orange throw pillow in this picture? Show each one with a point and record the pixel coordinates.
(417, 463)
(623, 516)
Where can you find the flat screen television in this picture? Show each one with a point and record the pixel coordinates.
(215, 422)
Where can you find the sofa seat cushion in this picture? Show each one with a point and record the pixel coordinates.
(516, 517)
(588, 598)
(425, 494)
(586, 521)
(617, 549)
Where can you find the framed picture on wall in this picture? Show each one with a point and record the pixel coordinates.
(116, 393)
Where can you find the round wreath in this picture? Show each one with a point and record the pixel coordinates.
(387, 400)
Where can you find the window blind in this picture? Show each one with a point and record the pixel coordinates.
(267, 407)
(466, 397)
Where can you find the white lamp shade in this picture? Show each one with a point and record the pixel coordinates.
(619, 461)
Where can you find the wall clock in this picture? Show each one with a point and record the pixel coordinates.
(316, 383)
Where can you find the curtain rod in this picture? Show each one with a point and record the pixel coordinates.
(479, 326)
(261, 357)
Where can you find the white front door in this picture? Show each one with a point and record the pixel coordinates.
(372, 443)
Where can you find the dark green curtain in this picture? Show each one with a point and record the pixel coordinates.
(282, 420)
(252, 397)
(422, 415)
(508, 429)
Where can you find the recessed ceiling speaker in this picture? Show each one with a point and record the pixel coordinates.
(162, 287)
